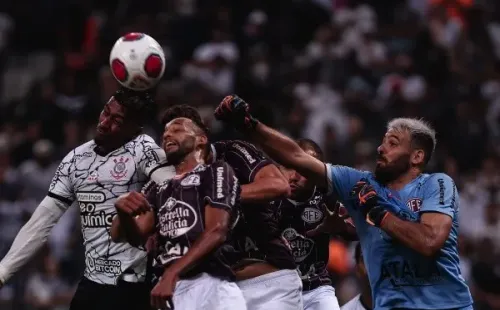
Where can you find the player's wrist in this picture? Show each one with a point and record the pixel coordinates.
(376, 216)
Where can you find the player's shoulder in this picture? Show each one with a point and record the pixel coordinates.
(235, 145)
(220, 165)
(439, 179)
(85, 150)
(143, 141)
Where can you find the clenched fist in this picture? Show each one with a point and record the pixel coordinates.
(235, 111)
(132, 204)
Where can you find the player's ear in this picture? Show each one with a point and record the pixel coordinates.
(417, 157)
(202, 139)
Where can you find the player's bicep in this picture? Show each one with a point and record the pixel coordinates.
(341, 179)
(440, 196)
(222, 190)
(217, 219)
(311, 168)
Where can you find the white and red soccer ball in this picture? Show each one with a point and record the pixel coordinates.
(137, 61)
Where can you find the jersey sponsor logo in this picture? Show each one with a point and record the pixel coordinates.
(151, 156)
(414, 204)
(245, 153)
(407, 273)
(234, 192)
(315, 200)
(191, 180)
(106, 266)
(441, 191)
(311, 215)
(219, 182)
(176, 218)
(120, 168)
(301, 246)
(89, 217)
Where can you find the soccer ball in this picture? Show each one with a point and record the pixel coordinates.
(137, 61)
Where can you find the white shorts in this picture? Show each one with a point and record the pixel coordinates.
(321, 298)
(279, 290)
(206, 292)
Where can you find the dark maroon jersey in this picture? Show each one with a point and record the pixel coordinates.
(179, 206)
(310, 253)
(257, 236)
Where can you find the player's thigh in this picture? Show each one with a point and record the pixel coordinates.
(90, 295)
(321, 298)
(226, 296)
(208, 293)
(280, 290)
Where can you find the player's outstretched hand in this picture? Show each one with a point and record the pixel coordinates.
(334, 221)
(235, 111)
(368, 202)
(132, 204)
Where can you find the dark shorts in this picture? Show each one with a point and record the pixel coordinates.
(125, 296)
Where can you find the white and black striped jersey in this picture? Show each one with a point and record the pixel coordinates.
(95, 182)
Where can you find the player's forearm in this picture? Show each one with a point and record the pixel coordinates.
(276, 145)
(416, 236)
(133, 230)
(264, 190)
(31, 237)
(208, 241)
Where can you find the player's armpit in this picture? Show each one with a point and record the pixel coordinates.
(216, 230)
(426, 237)
(288, 153)
(269, 184)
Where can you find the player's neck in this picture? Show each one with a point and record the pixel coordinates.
(190, 162)
(400, 182)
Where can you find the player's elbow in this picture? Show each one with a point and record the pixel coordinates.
(281, 187)
(219, 233)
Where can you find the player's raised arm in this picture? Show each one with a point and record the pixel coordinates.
(35, 232)
(438, 210)
(261, 179)
(235, 111)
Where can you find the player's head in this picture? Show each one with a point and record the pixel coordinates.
(299, 185)
(183, 136)
(186, 111)
(408, 144)
(122, 117)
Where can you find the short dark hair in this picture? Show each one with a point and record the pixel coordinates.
(184, 111)
(308, 144)
(140, 105)
(358, 256)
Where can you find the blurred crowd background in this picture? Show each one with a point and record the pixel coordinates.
(331, 70)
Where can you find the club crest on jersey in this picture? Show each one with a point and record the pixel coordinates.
(300, 245)
(414, 204)
(191, 180)
(311, 215)
(120, 168)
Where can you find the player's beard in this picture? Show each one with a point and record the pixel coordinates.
(185, 147)
(392, 170)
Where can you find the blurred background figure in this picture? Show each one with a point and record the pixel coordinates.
(333, 71)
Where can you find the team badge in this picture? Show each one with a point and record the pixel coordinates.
(120, 168)
(191, 180)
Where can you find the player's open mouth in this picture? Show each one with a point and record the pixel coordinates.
(170, 144)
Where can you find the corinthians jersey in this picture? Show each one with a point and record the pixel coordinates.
(257, 235)
(95, 182)
(179, 206)
(310, 254)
